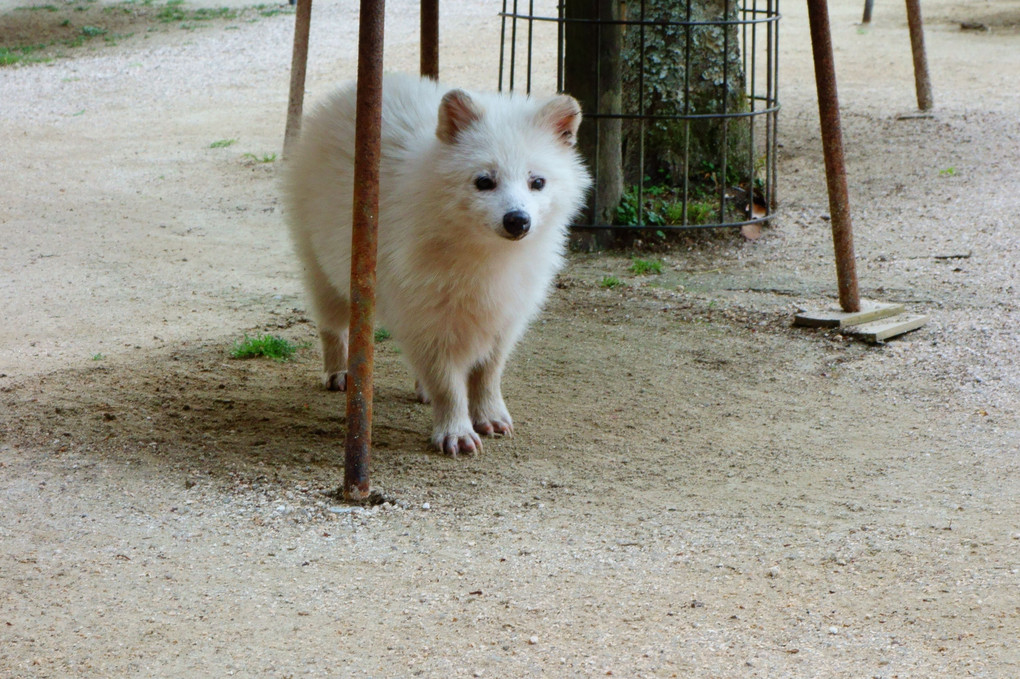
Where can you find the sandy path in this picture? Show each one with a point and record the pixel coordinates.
(696, 489)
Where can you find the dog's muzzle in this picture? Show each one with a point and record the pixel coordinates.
(516, 224)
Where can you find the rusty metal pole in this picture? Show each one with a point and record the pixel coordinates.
(298, 64)
(921, 81)
(363, 252)
(430, 39)
(832, 147)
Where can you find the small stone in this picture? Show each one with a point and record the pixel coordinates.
(533, 640)
(426, 505)
(774, 572)
(833, 630)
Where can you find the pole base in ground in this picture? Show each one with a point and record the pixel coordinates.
(875, 322)
(834, 318)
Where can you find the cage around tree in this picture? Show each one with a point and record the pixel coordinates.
(680, 101)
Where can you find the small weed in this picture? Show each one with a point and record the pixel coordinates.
(264, 158)
(92, 31)
(222, 143)
(269, 346)
(98, 357)
(947, 172)
(643, 267)
(382, 334)
(610, 282)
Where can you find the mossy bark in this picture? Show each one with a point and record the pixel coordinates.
(687, 70)
(669, 65)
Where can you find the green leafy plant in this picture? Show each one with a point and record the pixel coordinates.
(382, 334)
(644, 267)
(222, 143)
(268, 346)
(264, 158)
(610, 282)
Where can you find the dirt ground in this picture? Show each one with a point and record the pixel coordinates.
(695, 488)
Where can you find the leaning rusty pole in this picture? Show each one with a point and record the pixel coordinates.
(365, 224)
(871, 321)
(832, 148)
(358, 447)
(361, 354)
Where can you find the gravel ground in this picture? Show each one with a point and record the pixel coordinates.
(695, 489)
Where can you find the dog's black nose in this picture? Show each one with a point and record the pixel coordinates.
(516, 223)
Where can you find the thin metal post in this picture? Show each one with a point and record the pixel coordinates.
(832, 147)
(868, 5)
(298, 65)
(921, 81)
(363, 251)
(430, 39)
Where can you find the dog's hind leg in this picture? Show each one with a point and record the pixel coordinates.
(332, 313)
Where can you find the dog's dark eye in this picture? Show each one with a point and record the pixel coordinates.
(537, 184)
(485, 183)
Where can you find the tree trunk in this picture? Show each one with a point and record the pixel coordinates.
(592, 75)
(672, 64)
(687, 70)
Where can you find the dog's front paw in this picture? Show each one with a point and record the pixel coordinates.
(492, 419)
(494, 426)
(335, 381)
(453, 443)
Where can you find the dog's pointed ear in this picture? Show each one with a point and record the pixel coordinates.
(562, 113)
(456, 112)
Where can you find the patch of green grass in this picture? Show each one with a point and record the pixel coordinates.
(644, 267)
(112, 39)
(92, 31)
(264, 158)
(382, 334)
(174, 11)
(947, 172)
(610, 282)
(222, 143)
(39, 8)
(21, 55)
(268, 346)
(663, 206)
(272, 10)
(97, 357)
(700, 212)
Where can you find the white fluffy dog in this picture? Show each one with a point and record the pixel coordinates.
(476, 194)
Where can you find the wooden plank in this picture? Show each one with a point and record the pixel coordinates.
(878, 331)
(834, 318)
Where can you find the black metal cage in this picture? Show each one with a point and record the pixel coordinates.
(679, 98)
